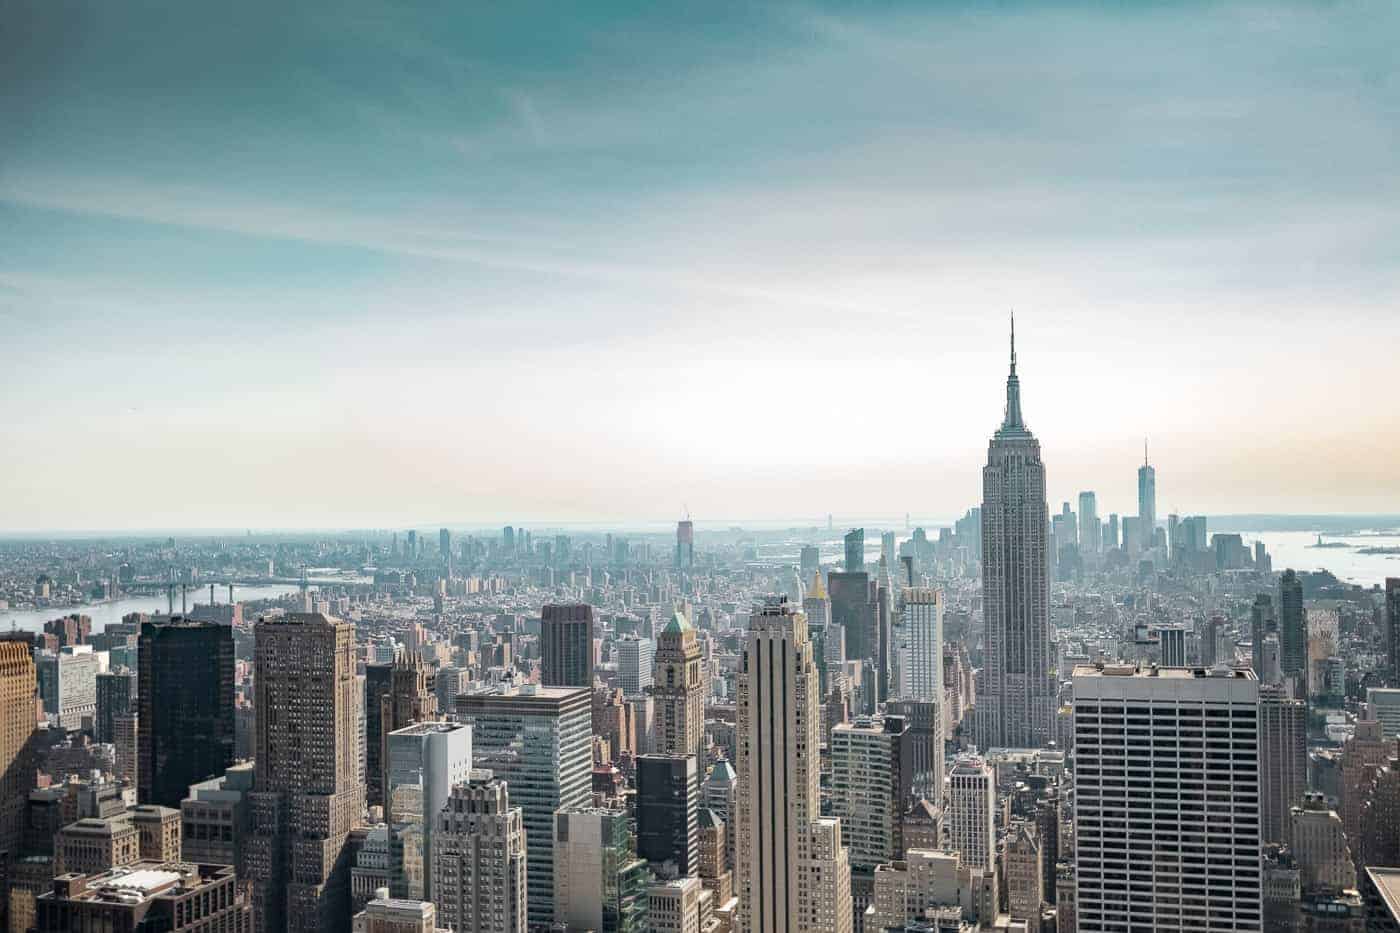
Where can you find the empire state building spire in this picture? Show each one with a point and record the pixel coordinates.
(1013, 420)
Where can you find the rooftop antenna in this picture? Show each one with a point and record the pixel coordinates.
(1144, 449)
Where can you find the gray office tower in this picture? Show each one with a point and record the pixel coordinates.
(1016, 708)
(566, 645)
(1147, 500)
(185, 701)
(1090, 528)
(668, 814)
(855, 550)
(539, 741)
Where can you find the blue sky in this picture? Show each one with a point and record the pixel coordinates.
(362, 263)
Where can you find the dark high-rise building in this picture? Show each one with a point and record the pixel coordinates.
(1262, 622)
(306, 794)
(855, 610)
(566, 645)
(1015, 710)
(685, 545)
(185, 703)
(116, 694)
(1283, 761)
(409, 698)
(1292, 627)
(855, 550)
(1111, 532)
(810, 560)
(1392, 626)
(378, 678)
(1090, 528)
(668, 814)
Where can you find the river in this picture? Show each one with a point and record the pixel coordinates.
(103, 614)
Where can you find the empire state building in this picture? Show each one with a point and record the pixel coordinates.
(1016, 700)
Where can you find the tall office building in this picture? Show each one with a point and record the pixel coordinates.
(1262, 623)
(1392, 627)
(566, 645)
(855, 550)
(1147, 500)
(17, 687)
(185, 700)
(809, 559)
(1283, 760)
(668, 813)
(1090, 528)
(126, 740)
(919, 656)
(1016, 707)
(635, 659)
(401, 694)
(685, 545)
(817, 604)
(1111, 538)
(1293, 632)
(855, 612)
(678, 691)
(599, 882)
(972, 800)
(1203, 763)
(425, 761)
(116, 694)
(1362, 755)
(68, 685)
(888, 554)
(871, 776)
(792, 869)
(306, 795)
(478, 864)
(924, 719)
(539, 740)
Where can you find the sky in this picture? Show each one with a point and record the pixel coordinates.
(363, 264)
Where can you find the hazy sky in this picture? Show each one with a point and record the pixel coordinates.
(264, 264)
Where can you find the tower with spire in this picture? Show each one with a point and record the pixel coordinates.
(1015, 706)
(1147, 500)
(678, 690)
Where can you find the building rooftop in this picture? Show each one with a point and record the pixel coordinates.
(1387, 882)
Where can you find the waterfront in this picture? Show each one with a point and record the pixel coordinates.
(105, 613)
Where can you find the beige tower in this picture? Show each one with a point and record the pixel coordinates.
(306, 794)
(409, 699)
(678, 691)
(17, 679)
(793, 872)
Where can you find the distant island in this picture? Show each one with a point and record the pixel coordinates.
(1379, 549)
(1329, 544)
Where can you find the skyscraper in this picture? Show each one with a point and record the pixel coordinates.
(1293, 631)
(566, 645)
(919, 656)
(539, 741)
(599, 882)
(855, 611)
(1090, 528)
(1283, 760)
(1015, 710)
(185, 699)
(636, 658)
(425, 761)
(1147, 500)
(1203, 763)
(668, 813)
(478, 863)
(678, 691)
(116, 694)
(1392, 627)
(406, 695)
(871, 765)
(306, 797)
(685, 545)
(855, 550)
(792, 868)
(17, 686)
(1262, 623)
(972, 799)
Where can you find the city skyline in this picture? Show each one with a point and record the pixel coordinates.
(507, 251)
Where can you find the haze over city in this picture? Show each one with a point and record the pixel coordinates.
(375, 265)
